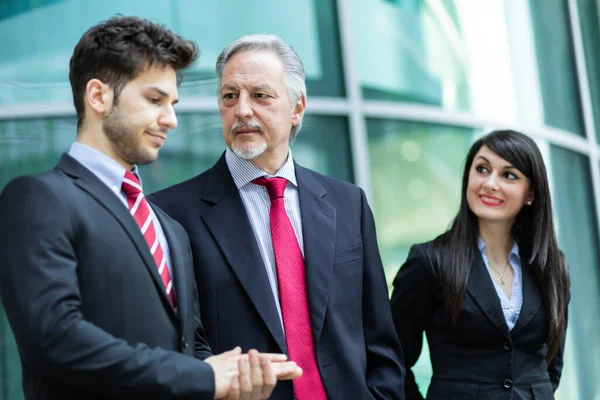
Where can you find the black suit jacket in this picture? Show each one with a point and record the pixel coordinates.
(479, 358)
(357, 350)
(84, 299)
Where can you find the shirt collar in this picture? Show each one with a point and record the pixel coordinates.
(513, 252)
(243, 171)
(107, 169)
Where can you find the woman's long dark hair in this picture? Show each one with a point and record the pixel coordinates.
(533, 230)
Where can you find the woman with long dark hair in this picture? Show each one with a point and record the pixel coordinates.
(491, 293)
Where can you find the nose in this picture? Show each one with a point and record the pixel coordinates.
(168, 118)
(243, 110)
(491, 183)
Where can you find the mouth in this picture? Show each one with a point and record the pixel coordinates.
(158, 138)
(242, 131)
(490, 200)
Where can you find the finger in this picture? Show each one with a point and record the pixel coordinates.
(297, 373)
(256, 372)
(286, 370)
(245, 380)
(274, 357)
(269, 378)
(234, 391)
(235, 351)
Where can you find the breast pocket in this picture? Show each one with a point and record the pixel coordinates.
(347, 256)
(542, 391)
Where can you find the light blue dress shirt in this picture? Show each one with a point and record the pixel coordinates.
(111, 173)
(511, 308)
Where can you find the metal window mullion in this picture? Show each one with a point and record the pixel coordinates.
(357, 123)
(586, 103)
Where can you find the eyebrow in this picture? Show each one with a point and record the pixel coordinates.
(162, 93)
(228, 87)
(488, 161)
(265, 86)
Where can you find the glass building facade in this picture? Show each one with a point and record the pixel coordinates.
(397, 92)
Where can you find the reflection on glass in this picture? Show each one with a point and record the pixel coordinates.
(311, 29)
(578, 239)
(589, 18)
(415, 179)
(510, 61)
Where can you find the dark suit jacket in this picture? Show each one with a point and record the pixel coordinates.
(479, 358)
(357, 350)
(84, 299)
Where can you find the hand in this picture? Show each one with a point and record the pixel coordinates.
(250, 376)
(256, 380)
(284, 370)
(225, 368)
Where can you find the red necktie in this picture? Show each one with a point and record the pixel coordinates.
(292, 294)
(139, 209)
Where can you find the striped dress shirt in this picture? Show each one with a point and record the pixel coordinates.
(258, 204)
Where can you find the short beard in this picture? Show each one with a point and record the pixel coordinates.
(124, 138)
(252, 152)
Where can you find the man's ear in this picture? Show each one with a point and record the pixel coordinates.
(98, 96)
(299, 108)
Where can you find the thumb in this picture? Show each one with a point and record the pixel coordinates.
(233, 352)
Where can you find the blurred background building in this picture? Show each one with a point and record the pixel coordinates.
(397, 92)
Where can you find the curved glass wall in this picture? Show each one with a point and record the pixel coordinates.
(508, 61)
(431, 75)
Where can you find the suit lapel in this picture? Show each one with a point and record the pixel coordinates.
(177, 258)
(229, 224)
(87, 181)
(318, 232)
(482, 290)
(532, 297)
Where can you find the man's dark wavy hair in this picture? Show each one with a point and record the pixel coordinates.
(118, 50)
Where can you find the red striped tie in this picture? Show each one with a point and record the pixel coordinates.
(140, 211)
(292, 294)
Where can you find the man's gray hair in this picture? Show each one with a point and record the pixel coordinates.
(292, 65)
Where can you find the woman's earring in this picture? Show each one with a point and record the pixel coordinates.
(529, 202)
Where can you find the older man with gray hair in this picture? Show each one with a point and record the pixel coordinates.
(286, 259)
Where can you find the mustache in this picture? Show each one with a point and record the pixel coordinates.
(247, 124)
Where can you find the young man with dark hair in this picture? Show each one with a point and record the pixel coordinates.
(97, 283)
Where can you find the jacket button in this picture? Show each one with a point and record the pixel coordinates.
(508, 346)
(184, 342)
(507, 384)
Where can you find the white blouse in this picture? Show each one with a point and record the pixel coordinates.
(510, 307)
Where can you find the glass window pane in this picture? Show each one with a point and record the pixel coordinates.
(10, 371)
(415, 172)
(415, 180)
(31, 146)
(578, 239)
(212, 24)
(511, 61)
(589, 17)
